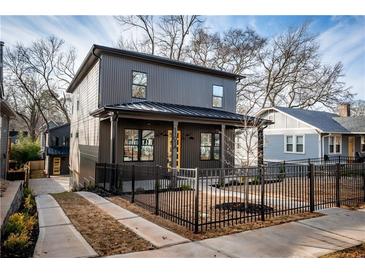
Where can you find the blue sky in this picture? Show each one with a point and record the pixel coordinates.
(341, 38)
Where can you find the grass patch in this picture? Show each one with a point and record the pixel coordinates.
(105, 234)
(210, 233)
(352, 252)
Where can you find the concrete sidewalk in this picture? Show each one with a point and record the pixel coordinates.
(158, 236)
(54, 184)
(339, 229)
(58, 238)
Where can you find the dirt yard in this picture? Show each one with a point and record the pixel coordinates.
(105, 234)
(352, 252)
(185, 232)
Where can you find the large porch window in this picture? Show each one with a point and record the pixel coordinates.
(335, 144)
(363, 144)
(138, 145)
(209, 146)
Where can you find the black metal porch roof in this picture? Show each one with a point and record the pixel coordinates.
(178, 110)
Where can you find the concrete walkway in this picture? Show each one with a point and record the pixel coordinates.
(339, 229)
(158, 236)
(58, 238)
(54, 184)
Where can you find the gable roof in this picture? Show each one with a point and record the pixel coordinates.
(178, 110)
(97, 50)
(324, 121)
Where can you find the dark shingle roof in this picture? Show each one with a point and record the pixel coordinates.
(325, 121)
(352, 124)
(174, 109)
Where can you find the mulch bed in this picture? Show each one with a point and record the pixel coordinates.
(210, 233)
(352, 252)
(105, 234)
(3, 187)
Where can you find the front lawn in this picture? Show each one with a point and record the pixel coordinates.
(104, 233)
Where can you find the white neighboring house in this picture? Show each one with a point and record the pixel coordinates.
(302, 134)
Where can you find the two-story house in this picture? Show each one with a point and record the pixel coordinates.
(138, 109)
(302, 134)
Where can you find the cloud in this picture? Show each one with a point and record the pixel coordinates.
(345, 42)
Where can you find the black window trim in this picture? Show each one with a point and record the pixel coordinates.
(222, 97)
(212, 146)
(139, 146)
(146, 86)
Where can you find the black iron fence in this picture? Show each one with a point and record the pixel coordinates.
(203, 199)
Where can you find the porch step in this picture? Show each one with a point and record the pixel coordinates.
(158, 236)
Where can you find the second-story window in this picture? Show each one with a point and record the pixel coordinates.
(139, 84)
(217, 96)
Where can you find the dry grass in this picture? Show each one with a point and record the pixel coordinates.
(105, 234)
(352, 252)
(213, 232)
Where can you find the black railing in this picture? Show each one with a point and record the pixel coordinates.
(203, 199)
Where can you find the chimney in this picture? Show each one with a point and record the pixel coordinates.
(1, 69)
(344, 110)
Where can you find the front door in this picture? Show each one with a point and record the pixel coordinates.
(56, 166)
(351, 146)
(169, 149)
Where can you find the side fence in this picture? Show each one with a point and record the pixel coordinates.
(203, 199)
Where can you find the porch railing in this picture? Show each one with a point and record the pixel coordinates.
(203, 199)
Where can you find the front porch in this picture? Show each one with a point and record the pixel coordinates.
(171, 136)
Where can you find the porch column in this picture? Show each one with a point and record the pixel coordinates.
(260, 146)
(174, 143)
(113, 137)
(223, 145)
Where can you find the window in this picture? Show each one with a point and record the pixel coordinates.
(363, 143)
(289, 143)
(334, 143)
(77, 134)
(131, 142)
(294, 144)
(147, 145)
(209, 146)
(299, 144)
(77, 105)
(217, 96)
(138, 145)
(139, 84)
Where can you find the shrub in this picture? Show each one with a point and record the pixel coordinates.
(24, 150)
(16, 224)
(17, 243)
(29, 204)
(185, 187)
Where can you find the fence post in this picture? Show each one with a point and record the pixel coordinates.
(196, 208)
(363, 178)
(133, 183)
(157, 190)
(338, 177)
(104, 175)
(262, 182)
(311, 187)
(116, 173)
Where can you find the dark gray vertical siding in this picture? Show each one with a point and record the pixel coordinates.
(165, 84)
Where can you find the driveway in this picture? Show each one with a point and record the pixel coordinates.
(54, 184)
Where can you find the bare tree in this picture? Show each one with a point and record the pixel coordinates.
(141, 22)
(44, 67)
(358, 108)
(162, 35)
